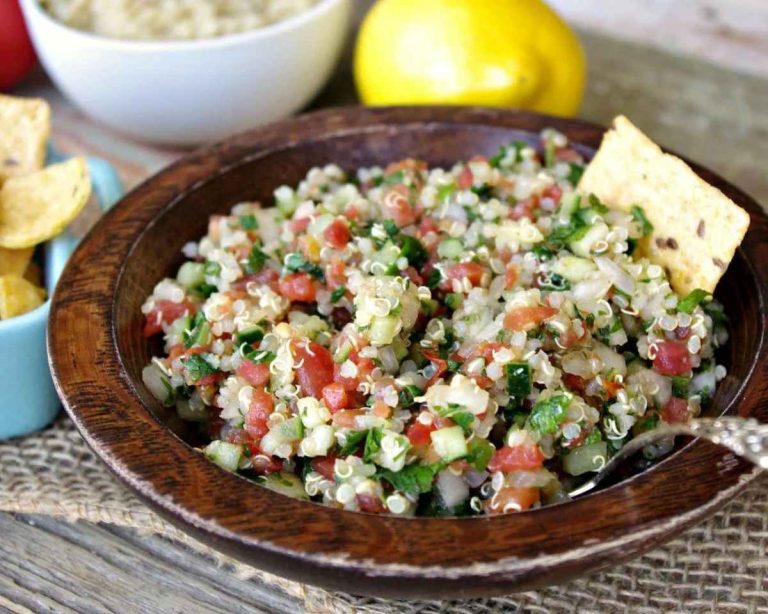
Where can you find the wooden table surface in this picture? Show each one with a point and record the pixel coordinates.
(711, 114)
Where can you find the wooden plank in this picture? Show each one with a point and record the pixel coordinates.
(49, 565)
(731, 33)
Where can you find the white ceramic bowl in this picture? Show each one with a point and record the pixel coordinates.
(189, 92)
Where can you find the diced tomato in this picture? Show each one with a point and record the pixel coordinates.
(335, 397)
(324, 466)
(265, 276)
(482, 381)
(381, 409)
(261, 407)
(300, 224)
(414, 276)
(298, 287)
(418, 433)
(408, 164)
(676, 410)
(335, 274)
(510, 276)
(570, 337)
(525, 208)
(370, 504)
(165, 312)
(263, 464)
(473, 271)
(527, 318)
(255, 375)
(612, 389)
(316, 368)
(337, 233)
(427, 225)
(510, 499)
(576, 383)
(210, 380)
(441, 366)
(398, 209)
(514, 458)
(672, 358)
(555, 192)
(466, 178)
(346, 418)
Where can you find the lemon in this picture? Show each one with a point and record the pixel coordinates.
(501, 53)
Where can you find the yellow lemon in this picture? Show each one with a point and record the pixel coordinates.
(503, 53)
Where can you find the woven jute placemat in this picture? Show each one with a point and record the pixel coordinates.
(719, 566)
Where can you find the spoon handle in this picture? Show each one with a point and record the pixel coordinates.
(745, 437)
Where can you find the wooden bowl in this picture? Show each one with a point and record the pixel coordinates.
(97, 353)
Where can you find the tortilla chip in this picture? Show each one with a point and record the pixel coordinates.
(18, 296)
(15, 261)
(697, 228)
(37, 207)
(25, 125)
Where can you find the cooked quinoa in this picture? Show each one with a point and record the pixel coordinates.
(171, 19)
(421, 341)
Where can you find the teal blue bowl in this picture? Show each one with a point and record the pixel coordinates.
(29, 401)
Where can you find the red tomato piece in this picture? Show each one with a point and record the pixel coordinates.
(466, 179)
(166, 312)
(510, 276)
(210, 380)
(441, 366)
(262, 406)
(527, 318)
(418, 433)
(514, 458)
(335, 397)
(672, 358)
(554, 192)
(676, 410)
(398, 209)
(427, 225)
(255, 375)
(337, 233)
(510, 499)
(316, 370)
(473, 271)
(576, 383)
(298, 287)
(324, 466)
(370, 504)
(263, 464)
(300, 224)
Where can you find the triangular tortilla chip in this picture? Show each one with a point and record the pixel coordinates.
(697, 228)
(25, 125)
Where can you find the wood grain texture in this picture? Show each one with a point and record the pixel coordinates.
(97, 308)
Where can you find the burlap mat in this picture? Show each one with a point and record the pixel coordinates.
(720, 565)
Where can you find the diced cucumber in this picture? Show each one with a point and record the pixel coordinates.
(582, 246)
(386, 258)
(573, 268)
(284, 483)
(291, 430)
(191, 274)
(518, 379)
(249, 335)
(450, 248)
(175, 334)
(383, 330)
(449, 443)
(342, 353)
(568, 206)
(586, 458)
(158, 384)
(454, 300)
(201, 335)
(191, 410)
(225, 455)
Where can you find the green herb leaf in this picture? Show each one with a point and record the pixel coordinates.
(639, 214)
(483, 191)
(256, 260)
(414, 251)
(593, 437)
(694, 298)
(444, 191)
(354, 438)
(197, 367)
(406, 396)
(295, 263)
(434, 278)
(372, 444)
(554, 283)
(574, 176)
(248, 222)
(205, 289)
(680, 386)
(518, 379)
(338, 294)
(211, 268)
(547, 415)
(192, 336)
(479, 454)
(413, 479)
(391, 228)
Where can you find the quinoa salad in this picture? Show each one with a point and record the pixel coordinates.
(172, 19)
(432, 342)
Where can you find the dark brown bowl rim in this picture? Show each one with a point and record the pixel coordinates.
(364, 553)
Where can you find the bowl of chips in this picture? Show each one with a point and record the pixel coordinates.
(37, 203)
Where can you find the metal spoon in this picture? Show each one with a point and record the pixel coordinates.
(744, 436)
